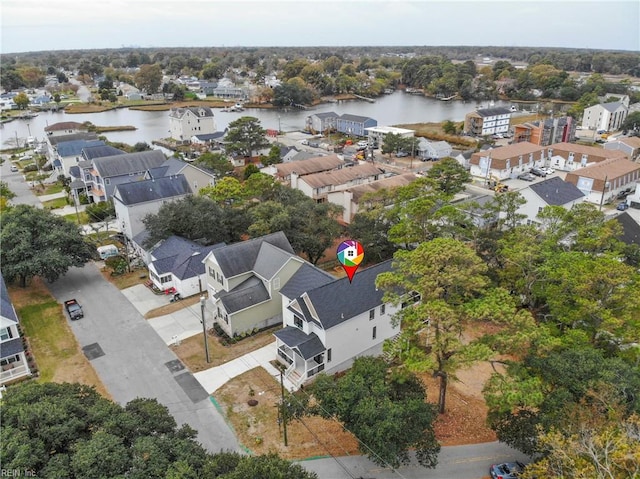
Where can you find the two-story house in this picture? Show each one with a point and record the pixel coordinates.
(321, 122)
(572, 156)
(13, 361)
(191, 121)
(69, 153)
(630, 146)
(328, 322)
(376, 134)
(506, 161)
(606, 116)
(354, 125)
(244, 281)
(604, 181)
(318, 185)
(487, 121)
(64, 128)
(550, 192)
(316, 164)
(433, 150)
(197, 177)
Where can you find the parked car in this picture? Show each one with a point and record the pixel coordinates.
(74, 310)
(538, 172)
(401, 154)
(507, 470)
(14, 168)
(526, 177)
(364, 143)
(548, 171)
(622, 206)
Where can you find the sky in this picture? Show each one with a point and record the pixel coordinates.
(37, 25)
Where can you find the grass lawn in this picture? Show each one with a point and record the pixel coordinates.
(52, 189)
(56, 351)
(55, 203)
(191, 350)
(84, 218)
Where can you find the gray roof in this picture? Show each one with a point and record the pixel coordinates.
(630, 229)
(211, 136)
(157, 189)
(307, 277)
(120, 165)
(91, 152)
(354, 118)
(326, 114)
(6, 306)
(492, 111)
(11, 347)
(241, 257)
(181, 257)
(612, 106)
(83, 135)
(341, 300)
(307, 345)
(246, 294)
(269, 260)
(75, 147)
(199, 111)
(556, 191)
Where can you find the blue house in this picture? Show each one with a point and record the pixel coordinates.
(354, 125)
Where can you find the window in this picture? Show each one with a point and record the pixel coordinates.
(329, 355)
(383, 309)
(372, 314)
(374, 332)
(297, 321)
(9, 360)
(165, 279)
(107, 181)
(318, 359)
(5, 333)
(212, 272)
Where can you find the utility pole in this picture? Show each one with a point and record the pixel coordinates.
(604, 187)
(204, 327)
(284, 409)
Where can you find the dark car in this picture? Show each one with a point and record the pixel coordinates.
(538, 172)
(526, 177)
(622, 206)
(507, 470)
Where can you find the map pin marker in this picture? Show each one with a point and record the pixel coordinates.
(350, 254)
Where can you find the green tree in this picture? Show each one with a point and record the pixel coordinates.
(36, 242)
(450, 175)
(5, 195)
(149, 78)
(227, 190)
(100, 211)
(245, 136)
(21, 100)
(388, 412)
(217, 163)
(449, 127)
(632, 122)
(249, 170)
(446, 276)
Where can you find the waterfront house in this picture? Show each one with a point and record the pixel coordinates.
(185, 123)
(487, 121)
(321, 122)
(354, 125)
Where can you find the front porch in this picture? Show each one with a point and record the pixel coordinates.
(302, 354)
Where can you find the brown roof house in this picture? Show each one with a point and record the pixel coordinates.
(573, 156)
(319, 185)
(506, 161)
(350, 198)
(283, 171)
(605, 181)
(630, 146)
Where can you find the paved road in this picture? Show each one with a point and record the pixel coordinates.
(456, 462)
(135, 361)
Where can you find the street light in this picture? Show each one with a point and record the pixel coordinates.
(204, 327)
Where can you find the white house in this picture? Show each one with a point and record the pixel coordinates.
(604, 181)
(506, 161)
(329, 324)
(433, 150)
(319, 185)
(551, 192)
(64, 128)
(187, 122)
(487, 121)
(606, 116)
(376, 134)
(13, 360)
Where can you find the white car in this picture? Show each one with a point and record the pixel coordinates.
(549, 171)
(363, 143)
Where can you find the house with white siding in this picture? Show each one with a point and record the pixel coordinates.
(13, 359)
(185, 123)
(433, 150)
(604, 181)
(606, 116)
(550, 192)
(328, 322)
(487, 121)
(318, 185)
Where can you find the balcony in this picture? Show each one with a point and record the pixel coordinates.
(13, 371)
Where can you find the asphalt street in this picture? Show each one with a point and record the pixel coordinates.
(133, 361)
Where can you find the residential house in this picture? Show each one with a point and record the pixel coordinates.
(321, 122)
(316, 164)
(208, 87)
(376, 134)
(572, 156)
(630, 229)
(133, 201)
(630, 146)
(13, 360)
(69, 153)
(177, 264)
(350, 198)
(65, 128)
(53, 141)
(463, 157)
(328, 325)
(244, 281)
(506, 161)
(550, 192)
(354, 125)
(433, 150)
(546, 132)
(606, 116)
(211, 140)
(100, 176)
(318, 185)
(185, 123)
(633, 199)
(288, 153)
(604, 181)
(197, 177)
(487, 121)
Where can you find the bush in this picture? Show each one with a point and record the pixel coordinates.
(118, 265)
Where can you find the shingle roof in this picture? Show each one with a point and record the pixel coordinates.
(6, 306)
(199, 111)
(632, 141)
(83, 135)
(354, 118)
(556, 192)
(181, 257)
(75, 147)
(120, 165)
(612, 106)
(483, 112)
(211, 136)
(241, 257)
(11, 347)
(91, 152)
(340, 300)
(630, 229)
(65, 125)
(307, 277)
(610, 169)
(341, 176)
(246, 294)
(308, 345)
(391, 182)
(586, 150)
(312, 165)
(269, 260)
(137, 192)
(326, 114)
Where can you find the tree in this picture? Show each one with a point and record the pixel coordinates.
(450, 175)
(245, 136)
(249, 170)
(445, 275)
(100, 211)
(5, 195)
(449, 127)
(217, 163)
(149, 78)
(386, 411)
(292, 93)
(227, 190)
(36, 242)
(632, 122)
(21, 100)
